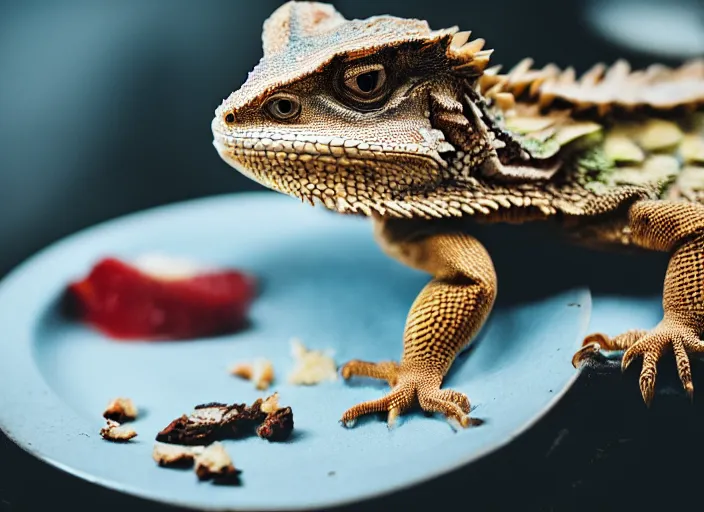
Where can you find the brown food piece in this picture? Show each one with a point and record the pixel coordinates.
(202, 426)
(260, 372)
(113, 431)
(120, 410)
(171, 455)
(214, 463)
(277, 426)
(217, 421)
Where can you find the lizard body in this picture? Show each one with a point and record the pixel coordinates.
(410, 126)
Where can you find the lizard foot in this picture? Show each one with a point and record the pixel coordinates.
(409, 387)
(670, 334)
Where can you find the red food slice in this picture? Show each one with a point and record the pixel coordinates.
(125, 302)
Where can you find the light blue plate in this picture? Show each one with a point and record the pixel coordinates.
(323, 280)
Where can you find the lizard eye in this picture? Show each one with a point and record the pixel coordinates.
(366, 84)
(283, 107)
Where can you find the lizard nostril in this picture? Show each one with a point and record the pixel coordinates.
(230, 118)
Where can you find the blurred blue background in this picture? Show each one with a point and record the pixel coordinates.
(105, 105)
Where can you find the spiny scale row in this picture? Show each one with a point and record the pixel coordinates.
(469, 56)
(602, 87)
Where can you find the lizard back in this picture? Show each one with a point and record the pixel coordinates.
(387, 117)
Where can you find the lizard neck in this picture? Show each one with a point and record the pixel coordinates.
(486, 148)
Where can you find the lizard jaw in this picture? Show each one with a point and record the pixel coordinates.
(346, 176)
(228, 156)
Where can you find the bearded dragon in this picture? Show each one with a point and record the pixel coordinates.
(409, 126)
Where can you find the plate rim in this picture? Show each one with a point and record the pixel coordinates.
(26, 265)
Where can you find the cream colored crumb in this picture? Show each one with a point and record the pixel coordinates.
(113, 431)
(121, 410)
(312, 366)
(270, 404)
(214, 462)
(175, 455)
(260, 372)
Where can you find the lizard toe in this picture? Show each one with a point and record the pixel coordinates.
(411, 387)
(395, 403)
(682, 340)
(452, 404)
(600, 345)
(385, 370)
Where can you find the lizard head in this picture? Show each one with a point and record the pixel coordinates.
(345, 112)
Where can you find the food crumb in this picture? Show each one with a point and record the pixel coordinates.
(260, 372)
(214, 463)
(270, 404)
(277, 426)
(217, 421)
(312, 366)
(113, 431)
(120, 410)
(175, 455)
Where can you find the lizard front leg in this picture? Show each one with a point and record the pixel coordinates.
(443, 320)
(677, 228)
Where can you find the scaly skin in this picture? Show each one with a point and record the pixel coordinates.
(444, 318)
(676, 228)
(389, 119)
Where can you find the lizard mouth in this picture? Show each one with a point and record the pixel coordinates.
(335, 147)
(346, 176)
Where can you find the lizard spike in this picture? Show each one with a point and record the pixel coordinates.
(473, 46)
(520, 69)
(693, 69)
(505, 100)
(460, 38)
(496, 89)
(481, 59)
(534, 87)
(618, 71)
(486, 82)
(568, 76)
(593, 75)
(656, 72)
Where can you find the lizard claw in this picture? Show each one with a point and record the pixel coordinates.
(651, 345)
(408, 388)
